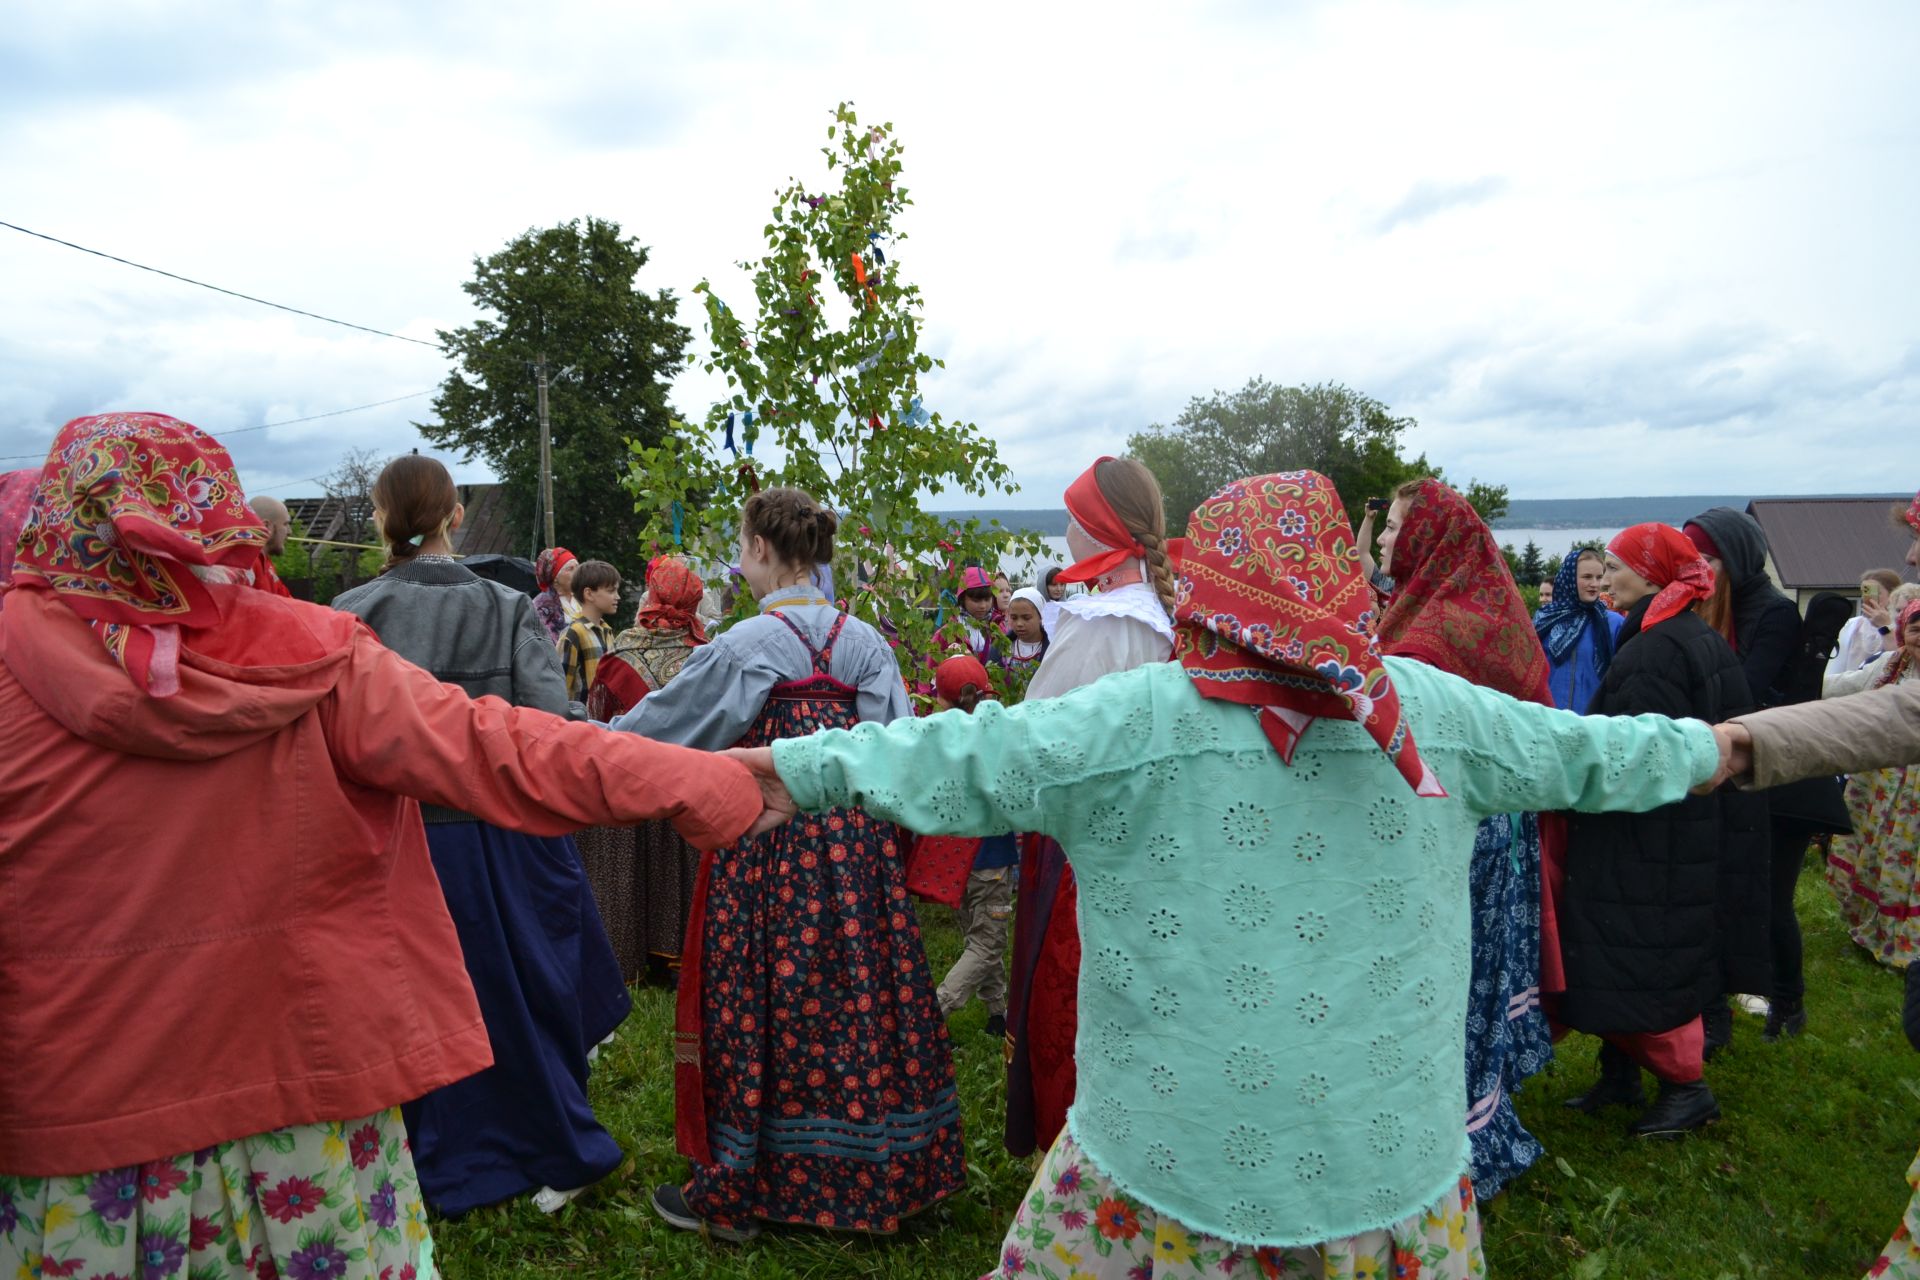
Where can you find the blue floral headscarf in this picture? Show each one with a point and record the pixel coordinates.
(1559, 624)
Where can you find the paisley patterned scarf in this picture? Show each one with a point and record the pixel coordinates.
(129, 506)
(1271, 612)
(1456, 606)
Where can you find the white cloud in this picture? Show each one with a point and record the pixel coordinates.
(1646, 248)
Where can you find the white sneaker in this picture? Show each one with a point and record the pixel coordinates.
(1755, 1005)
(547, 1200)
(593, 1054)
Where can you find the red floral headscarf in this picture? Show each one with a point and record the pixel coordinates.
(128, 505)
(1913, 515)
(1271, 612)
(16, 499)
(1669, 561)
(1455, 605)
(673, 593)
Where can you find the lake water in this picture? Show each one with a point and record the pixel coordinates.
(1553, 544)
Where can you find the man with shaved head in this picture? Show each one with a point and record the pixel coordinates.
(279, 524)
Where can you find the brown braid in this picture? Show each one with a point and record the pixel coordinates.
(1159, 569)
(1134, 494)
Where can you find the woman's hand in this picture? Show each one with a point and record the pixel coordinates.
(779, 808)
(1874, 609)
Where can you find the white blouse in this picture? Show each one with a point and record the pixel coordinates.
(1097, 635)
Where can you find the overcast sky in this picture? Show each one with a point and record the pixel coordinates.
(1611, 249)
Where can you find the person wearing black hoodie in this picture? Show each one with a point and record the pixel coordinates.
(1763, 626)
(1655, 913)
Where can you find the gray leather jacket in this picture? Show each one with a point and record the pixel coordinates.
(465, 630)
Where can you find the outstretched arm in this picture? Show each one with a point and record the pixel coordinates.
(1524, 756)
(393, 727)
(1879, 729)
(950, 774)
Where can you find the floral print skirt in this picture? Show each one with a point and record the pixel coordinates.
(1873, 872)
(1508, 1039)
(1900, 1260)
(333, 1201)
(1077, 1225)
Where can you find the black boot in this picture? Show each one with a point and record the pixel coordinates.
(1719, 1025)
(1618, 1086)
(1680, 1108)
(1785, 1018)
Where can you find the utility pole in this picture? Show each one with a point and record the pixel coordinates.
(546, 447)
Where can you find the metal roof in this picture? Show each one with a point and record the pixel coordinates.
(1827, 543)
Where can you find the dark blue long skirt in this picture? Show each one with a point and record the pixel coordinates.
(549, 989)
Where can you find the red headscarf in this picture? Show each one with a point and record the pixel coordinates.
(1668, 559)
(1455, 605)
(1092, 512)
(128, 504)
(673, 593)
(549, 564)
(16, 498)
(1271, 612)
(1913, 515)
(953, 676)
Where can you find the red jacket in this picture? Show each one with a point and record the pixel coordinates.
(217, 912)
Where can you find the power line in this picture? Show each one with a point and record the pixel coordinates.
(411, 395)
(246, 297)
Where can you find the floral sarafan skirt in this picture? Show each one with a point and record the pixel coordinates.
(1075, 1224)
(1900, 1260)
(334, 1201)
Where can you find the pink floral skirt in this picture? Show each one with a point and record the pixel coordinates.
(334, 1201)
(1075, 1224)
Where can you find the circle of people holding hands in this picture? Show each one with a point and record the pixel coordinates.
(1280, 869)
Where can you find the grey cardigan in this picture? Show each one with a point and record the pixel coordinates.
(465, 630)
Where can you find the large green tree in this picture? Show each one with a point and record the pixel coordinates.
(1351, 438)
(567, 294)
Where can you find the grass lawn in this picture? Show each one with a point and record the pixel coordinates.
(1803, 1176)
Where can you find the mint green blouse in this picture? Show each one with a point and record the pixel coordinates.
(1275, 957)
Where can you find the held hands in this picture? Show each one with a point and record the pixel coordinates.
(1736, 756)
(778, 804)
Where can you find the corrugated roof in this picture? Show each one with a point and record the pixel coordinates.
(1827, 543)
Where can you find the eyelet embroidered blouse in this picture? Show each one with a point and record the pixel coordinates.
(1273, 995)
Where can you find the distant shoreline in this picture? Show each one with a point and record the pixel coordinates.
(1522, 513)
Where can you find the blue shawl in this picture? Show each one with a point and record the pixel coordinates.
(1559, 624)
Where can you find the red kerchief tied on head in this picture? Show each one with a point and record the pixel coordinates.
(128, 506)
(549, 565)
(1093, 513)
(1668, 560)
(1913, 515)
(953, 676)
(1272, 613)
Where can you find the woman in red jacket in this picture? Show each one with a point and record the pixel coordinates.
(226, 960)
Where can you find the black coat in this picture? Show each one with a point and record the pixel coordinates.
(1766, 636)
(1662, 911)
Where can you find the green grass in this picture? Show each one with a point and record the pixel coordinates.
(1803, 1176)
